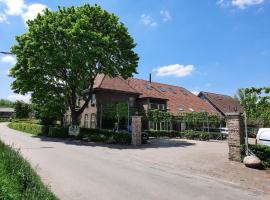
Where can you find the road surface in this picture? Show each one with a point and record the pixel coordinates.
(79, 171)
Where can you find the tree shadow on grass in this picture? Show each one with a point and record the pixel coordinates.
(151, 144)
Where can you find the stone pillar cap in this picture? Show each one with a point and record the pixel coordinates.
(233, 114)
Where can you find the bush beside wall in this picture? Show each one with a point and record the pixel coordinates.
(102, 135)
(35, 129)
(188, 134)
(58, 132)
(5, 119)
(18, 180)
(261, 151)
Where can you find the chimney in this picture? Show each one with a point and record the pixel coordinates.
(150, 78)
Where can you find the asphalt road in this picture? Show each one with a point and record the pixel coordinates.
(77, 171)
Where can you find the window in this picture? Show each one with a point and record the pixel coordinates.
(131, 101)
(191, 109)
(181, 109)
(86, 121)
(162, 89)
(155, 106)
(202, 110)
(148, 87)
(172, 90)
(152, 125)
(93, 120)
(161, 106)
(93, 100)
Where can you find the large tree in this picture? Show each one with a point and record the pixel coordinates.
(257, 105)
(63, 51)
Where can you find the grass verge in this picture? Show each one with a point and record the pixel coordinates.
(18, 181)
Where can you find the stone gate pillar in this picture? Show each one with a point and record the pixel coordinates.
(235, 125)
(136, 130)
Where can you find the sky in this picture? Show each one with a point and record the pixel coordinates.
(202, 45)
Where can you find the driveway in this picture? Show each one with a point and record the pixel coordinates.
(85, 171)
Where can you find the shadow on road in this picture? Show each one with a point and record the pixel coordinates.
(152, 143)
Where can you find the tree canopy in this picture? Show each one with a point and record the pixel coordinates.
(257, 105)
(64, 51)
(6, 103)
(22, 110)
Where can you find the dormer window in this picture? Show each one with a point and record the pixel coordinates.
(162, 89)
(181, 109)
(148, 87)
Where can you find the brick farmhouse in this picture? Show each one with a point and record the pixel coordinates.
(142, 95)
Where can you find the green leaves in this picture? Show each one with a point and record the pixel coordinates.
(257, 105)
(63, 52)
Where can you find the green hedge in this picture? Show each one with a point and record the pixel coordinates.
(35, 129)
(18, 181)
(5, 119)
(101, 135)
(58, 132)
(31, 121)
(261, 151)
(188, 134)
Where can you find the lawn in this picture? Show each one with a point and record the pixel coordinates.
(18, 181)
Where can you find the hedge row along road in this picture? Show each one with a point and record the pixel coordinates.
(77, 171)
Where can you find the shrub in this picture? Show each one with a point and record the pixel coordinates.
(58, 132)
(170, 134)
(262, 152)
(18, 180)
(188, 134)
(122, 138)
(5, 119)
(102, 135)
(35, 129)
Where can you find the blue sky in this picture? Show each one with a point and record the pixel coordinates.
(205, 45)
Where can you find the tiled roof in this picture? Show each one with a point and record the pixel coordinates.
(117, 84)
(223, 103)
(178, 99)
(146, 89)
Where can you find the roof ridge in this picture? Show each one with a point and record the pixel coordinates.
(127, 83)
(159, 83)
(217, 94)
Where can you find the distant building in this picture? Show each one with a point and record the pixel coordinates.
(222, 103)
(6, 112)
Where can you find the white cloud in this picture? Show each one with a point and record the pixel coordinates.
(8, 59)
(242, 4)
(166, 15)
(32, 11)
(15, 97)
(245, 3)
(20, 8)
(148, 21)
(3, 17)
(175, 70)
(14, 7)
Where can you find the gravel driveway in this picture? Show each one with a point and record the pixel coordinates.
(160, 170)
